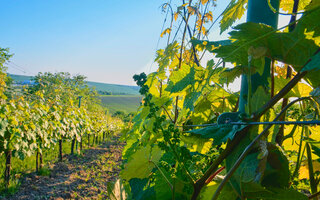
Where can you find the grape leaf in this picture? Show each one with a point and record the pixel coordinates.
(313, 5)
(234, 12)
(220, 133)
(256, 191)
(287, 5)
(227, 192)
(314, 63)
(140, 189)
(181, 79)
(141, 163)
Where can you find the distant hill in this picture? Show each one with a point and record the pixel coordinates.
(125, 103)
(100, 87)
(115, 89)
(20, 78)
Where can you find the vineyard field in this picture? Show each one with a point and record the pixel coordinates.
(184, 132)
(125, 103)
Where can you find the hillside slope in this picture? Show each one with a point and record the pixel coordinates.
(104, 87)
(125, 103)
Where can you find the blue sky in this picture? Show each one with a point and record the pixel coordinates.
(106, 40)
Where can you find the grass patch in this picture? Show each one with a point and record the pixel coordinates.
(45, 171)
(125, 103)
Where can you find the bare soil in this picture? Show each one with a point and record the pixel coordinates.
(78, 177)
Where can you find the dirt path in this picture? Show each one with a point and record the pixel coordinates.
(78, 177)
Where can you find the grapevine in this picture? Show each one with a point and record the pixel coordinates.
(39, 117)
(193, 138)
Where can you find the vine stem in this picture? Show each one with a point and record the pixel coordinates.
(202, 20)
(168, 114)
(214, 166)
(295, 173)
(189, 31)
(214, 174)
(280, 13)
(280, 134)
(314, 195)
(272, 78)
(176, 113)
(264, 133)
(313, 183)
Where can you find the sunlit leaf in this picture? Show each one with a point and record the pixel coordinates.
(141, 163)
(234, 12)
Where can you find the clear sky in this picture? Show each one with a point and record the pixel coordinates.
(106, 40)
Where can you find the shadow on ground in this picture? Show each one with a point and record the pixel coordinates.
(77, 177)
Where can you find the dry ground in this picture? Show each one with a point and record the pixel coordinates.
(77, 177)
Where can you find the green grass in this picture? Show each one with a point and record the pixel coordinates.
(125, 103)
(45, 171)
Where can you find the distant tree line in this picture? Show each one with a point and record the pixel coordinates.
(123, 116)
(102, 92)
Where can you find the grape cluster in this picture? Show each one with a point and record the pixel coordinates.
(141, 79)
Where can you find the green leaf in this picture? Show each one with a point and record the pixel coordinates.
(219, 133)
(300, 90)
(287, 5)
(294, 48)
(251, 171)
(244, 167)
(291, 48)
(309, 23)
(258, 65)
(259, 98)
(163, 190)
(181, 79)
(227, 192)
(234, 12)
(140, 189)
(141, 163)
(247, 171)
(210, 45)
(190, 100)
(315, 148)
(313, 5)
(277, 172)
(256, 191)
(210, 63)
(230, 74)
(314, 63)
(196, 143)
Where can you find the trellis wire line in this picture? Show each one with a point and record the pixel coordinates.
(313, 122)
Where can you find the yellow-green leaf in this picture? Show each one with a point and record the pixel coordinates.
(142, 162)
